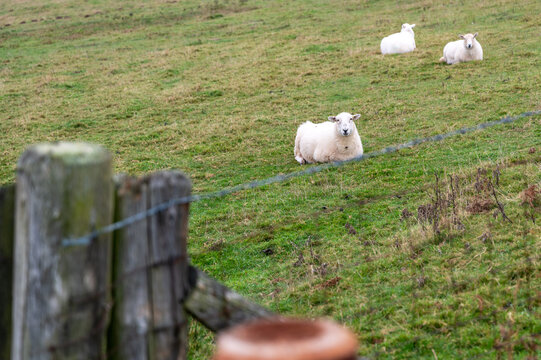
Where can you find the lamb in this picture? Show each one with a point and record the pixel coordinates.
(467, 49)
(399, 43)
(333, 140)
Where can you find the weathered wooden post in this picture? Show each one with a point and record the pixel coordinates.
(61, 294)
(131, 320)
(151, 270)
(218, 307)
(7, 214)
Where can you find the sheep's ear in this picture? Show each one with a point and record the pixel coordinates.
(475, 35)
(403, 26)
(461, 36)
(355, 117)
(412, 26)
(333, 118)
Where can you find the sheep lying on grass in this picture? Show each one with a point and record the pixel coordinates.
(467, 49)
(399, 43)
(333, 140)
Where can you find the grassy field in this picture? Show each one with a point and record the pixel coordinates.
(431, 252)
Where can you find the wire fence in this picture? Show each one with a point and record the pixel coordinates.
(311, 262)
(86, 239)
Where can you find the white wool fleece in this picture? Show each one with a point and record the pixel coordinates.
(333, 140)
(467, 49)
(399, 43)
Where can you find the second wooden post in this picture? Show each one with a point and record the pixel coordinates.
(151, 270)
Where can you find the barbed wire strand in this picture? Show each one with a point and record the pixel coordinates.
(85, 240)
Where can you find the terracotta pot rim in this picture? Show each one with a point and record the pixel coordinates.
(292, 339)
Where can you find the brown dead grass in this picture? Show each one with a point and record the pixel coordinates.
(531, 195)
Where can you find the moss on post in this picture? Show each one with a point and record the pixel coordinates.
(61, 301)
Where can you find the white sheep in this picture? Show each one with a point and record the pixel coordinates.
(399, 43)
(333, 140)
(467, 49)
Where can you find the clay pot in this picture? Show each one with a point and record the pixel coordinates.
(287, 339)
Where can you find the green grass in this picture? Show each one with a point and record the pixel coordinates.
(218, 88)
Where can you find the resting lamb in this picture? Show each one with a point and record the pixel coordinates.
(467, 49)
(399, 43)
(333, 140)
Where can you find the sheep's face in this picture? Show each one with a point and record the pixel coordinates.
(344, 122)
(408, 28)
(468, 40)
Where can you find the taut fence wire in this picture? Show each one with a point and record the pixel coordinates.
(86, 239)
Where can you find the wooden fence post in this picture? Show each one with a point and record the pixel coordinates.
(7, 214)
(218, 307)
(131, 319)
(61, 294)
(151, 270)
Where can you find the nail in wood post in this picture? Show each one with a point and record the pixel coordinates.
(7, 214)
(151, 270)
(61, 302)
